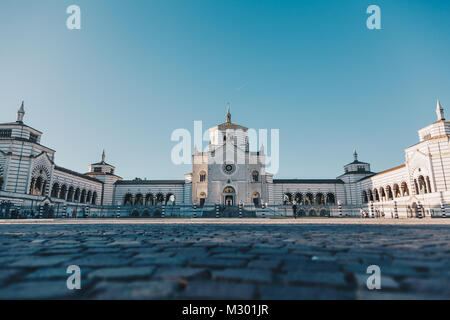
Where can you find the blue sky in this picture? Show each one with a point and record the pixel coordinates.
(137, 70)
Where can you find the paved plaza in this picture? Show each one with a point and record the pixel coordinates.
(225, 258)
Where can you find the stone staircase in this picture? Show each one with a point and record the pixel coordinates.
(228, 212)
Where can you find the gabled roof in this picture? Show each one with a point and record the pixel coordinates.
(74, 173)
(149, 182)
(385, 171)
(309, 181)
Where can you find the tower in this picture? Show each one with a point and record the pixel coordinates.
(439, 111)
(20, 113)
(228, 114)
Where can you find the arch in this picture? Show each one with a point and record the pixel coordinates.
(89, 196)
(377, 195)
(128, 199)
(422, 185)
(298, 198)
(312, 213)
(36, 186)
(138, 199)
(416, 186)
(429, 185)
(63, 192)
(202, 199)
(70, 194)
(389, 193)
(255, 176)
(229, 189)
(324, 213)
(405, 190)
(94, 198)
(382, 194)
(76, 197)
(83, 196)
(370, 194)
(159, 199)
(55, 190)
(287, 198)
(202, 176)
(309, 199)
(146, 213)
(256, 199)
(149, 199)
(365, 198)
(320, 199)
(134, 213)
(397, 193)
(229, 196)
(40, 178)
(331, 199)
(170, 199)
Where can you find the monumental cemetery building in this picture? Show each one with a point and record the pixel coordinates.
(31, 181)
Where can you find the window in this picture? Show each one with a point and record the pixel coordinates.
(33, 137)
(112, 171)
(5, 133)
(361, 169)
(255, 176)
(202, 176)
(97, 169)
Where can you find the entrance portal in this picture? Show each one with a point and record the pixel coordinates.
(228, 196)
(229, 201)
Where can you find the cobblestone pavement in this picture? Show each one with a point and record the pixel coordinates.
(225, 259)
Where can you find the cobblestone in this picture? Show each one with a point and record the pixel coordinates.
(225, 259)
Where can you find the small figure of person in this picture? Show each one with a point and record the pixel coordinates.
(294, 209)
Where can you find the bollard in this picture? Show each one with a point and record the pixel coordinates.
(340, 209)
(419, 211)
(240, 210)
(443, 210)
(118, 212)
(64, 211)
(41, 209)
(195, 211)
(87, 211)
(395, 210)
(163, 213)
(217, 211)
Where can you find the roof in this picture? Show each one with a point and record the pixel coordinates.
(356, 162)
(311, 181)
(229, 125)
(151, 182)
(385, 171)
(29, 141)
(76, 174)
(93, 173)
(17, 123)
(102, 163)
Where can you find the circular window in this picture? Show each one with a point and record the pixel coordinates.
(229, 168)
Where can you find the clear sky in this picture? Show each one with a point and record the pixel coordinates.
(137, 70)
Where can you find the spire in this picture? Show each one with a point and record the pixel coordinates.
(439, 111)
(20, 113)
(355, 155)
(103, 156)
(228, 113)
